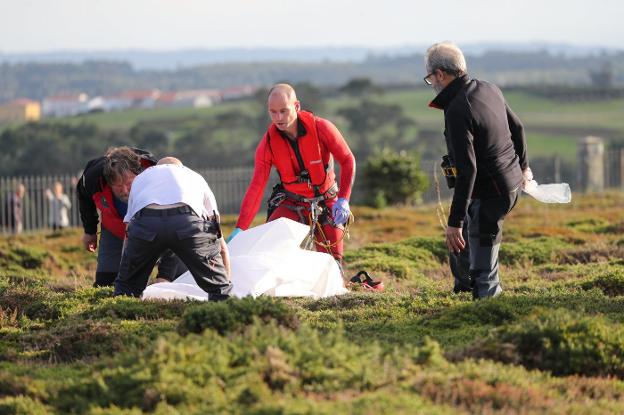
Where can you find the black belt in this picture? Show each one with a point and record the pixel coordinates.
(329, 194)
(178, 210)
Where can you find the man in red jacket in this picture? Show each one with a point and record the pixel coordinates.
(302, 147)
(104, 186)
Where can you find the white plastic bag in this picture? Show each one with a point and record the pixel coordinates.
(549, 193)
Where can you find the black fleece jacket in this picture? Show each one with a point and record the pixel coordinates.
(484, 138)
(92, 182)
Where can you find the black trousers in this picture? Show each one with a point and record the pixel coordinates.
(109, 257)
(193, 239)
(475, 268)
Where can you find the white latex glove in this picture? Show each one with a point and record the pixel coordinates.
(527, 176)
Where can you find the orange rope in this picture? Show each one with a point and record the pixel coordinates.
(325, 243)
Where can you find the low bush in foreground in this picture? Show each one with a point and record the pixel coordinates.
(234, 314)
(552, 343)
(215, 373)
(560, 341)
(611, 284)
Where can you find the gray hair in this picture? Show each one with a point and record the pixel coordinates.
(447, 57)
(118, 161)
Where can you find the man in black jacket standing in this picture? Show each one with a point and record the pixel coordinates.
(488, 166)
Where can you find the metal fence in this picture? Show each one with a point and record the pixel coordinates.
(229, 186)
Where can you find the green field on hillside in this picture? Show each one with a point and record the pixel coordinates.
(551, 127)
(123, 120)
(552, 343)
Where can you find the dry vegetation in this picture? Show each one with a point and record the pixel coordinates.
(553, 343)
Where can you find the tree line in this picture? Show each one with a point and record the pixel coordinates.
(38, 80)
(218, 139)
(377, 131)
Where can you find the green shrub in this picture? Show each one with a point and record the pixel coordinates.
(11, 385)
(216, 373)
(40, 302)
(402, 259)
(234, 314)
(23, 257)
(128, 308)
(114, 410)
(588, 225)
(32, 301)
(267, 369)
(394, 178)
(597, 225)
(22, 277)
(495, 311)
(537, 251)
(559, 341)
(76, 339)
(21, 405)
(611, 283)
(435, 245)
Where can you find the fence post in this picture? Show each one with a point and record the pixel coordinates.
(618, 167)
(590, 151)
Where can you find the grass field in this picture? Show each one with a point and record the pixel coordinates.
(552, 343)
(552, 128)
(535, 111)
(123, 120)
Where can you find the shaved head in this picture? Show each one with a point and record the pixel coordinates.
(285, 90)
(169, 160)
(283, 107)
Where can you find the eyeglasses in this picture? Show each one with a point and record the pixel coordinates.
(426, 78)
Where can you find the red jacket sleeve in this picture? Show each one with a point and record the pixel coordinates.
(335, 143)
(255, 191)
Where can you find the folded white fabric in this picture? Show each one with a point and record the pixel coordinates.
(267, 260)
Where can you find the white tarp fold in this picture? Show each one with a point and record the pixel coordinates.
(267, 260)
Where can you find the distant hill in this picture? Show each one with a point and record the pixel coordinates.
(537, 67)
(177, 59)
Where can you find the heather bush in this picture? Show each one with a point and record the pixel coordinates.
(539, 250)
(611, 283)
(551, 343)
(234, 314)
(21, 405)
(129, 308)
(77, 339)
(217, 372)
(405, 259)
(21, 257)
(560, 341)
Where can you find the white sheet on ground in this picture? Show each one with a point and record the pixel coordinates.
(266, 260)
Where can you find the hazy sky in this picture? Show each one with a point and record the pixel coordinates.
(47, 25)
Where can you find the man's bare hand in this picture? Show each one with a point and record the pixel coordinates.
(454, 239)
(89, 242)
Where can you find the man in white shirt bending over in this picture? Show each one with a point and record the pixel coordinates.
(171, 207)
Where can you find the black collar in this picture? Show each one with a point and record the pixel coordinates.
(301, 130)
(447, 94)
